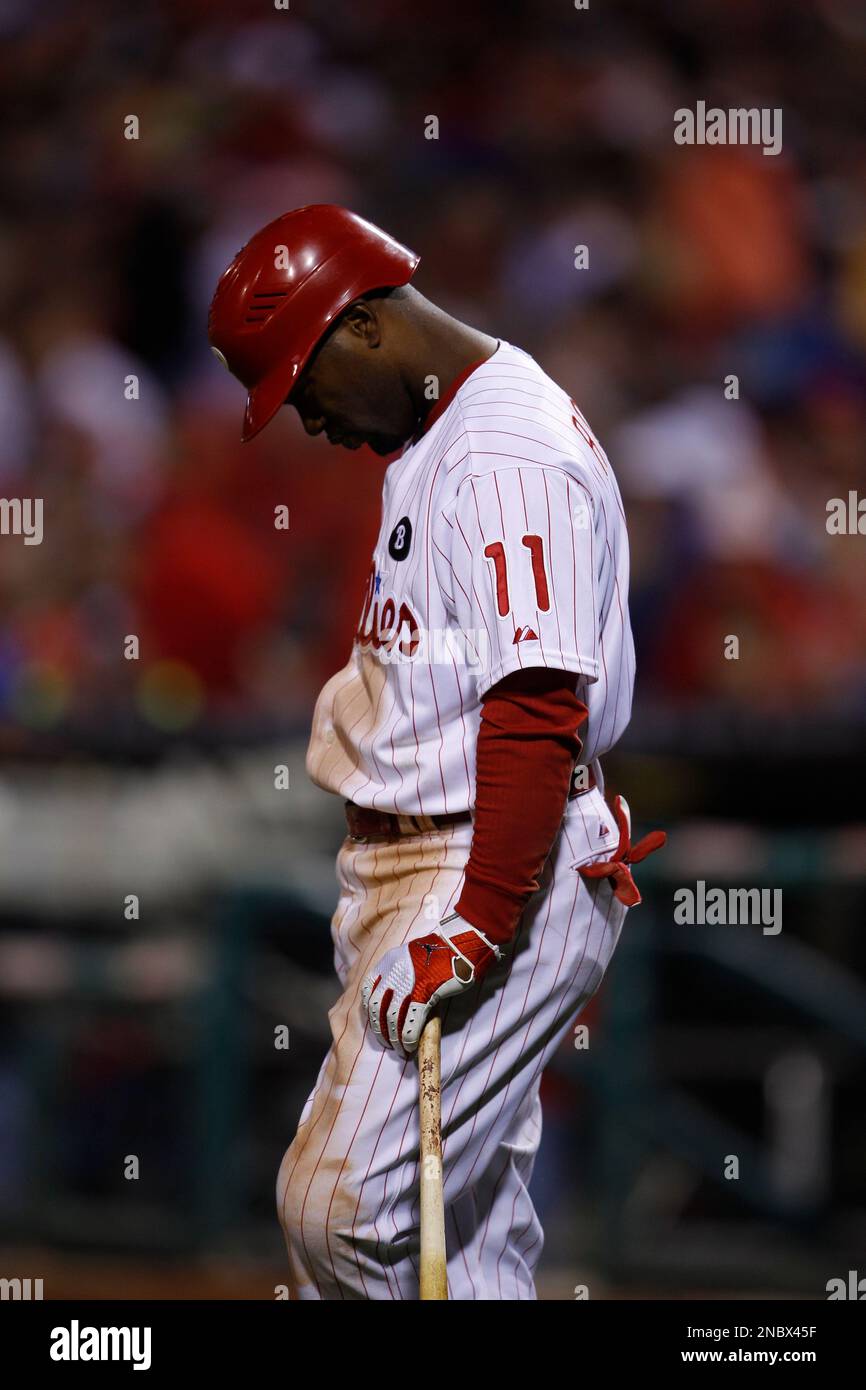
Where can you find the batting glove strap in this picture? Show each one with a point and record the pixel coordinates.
(462, 943)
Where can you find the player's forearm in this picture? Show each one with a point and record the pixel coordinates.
(527, 746)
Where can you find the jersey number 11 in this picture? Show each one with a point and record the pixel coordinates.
(495, 551)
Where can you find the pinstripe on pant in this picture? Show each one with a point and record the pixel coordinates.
(347, 1190)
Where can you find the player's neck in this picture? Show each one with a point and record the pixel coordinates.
(443, 348)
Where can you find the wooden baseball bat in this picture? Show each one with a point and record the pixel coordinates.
(434, 1282)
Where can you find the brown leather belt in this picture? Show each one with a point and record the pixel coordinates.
(364, 822)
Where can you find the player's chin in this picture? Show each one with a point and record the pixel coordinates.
(357, 441)
(385, 445)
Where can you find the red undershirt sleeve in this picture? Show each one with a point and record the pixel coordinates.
(527, 748)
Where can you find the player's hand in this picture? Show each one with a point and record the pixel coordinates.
(408, 982)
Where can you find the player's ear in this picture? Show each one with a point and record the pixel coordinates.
(362, 321)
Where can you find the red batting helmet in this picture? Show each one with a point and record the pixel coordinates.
(286, 287)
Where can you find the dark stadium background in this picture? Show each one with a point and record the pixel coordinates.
(154, 777)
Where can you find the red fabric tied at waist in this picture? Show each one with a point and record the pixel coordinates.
(617, 867)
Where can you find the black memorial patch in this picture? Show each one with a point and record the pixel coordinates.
(400, 539)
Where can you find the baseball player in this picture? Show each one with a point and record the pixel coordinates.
(483, 874)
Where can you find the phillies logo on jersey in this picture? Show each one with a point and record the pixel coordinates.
(390, 628)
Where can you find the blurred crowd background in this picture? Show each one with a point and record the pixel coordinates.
(155, 776)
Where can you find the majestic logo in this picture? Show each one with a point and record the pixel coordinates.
(400, 539)
(524, 634)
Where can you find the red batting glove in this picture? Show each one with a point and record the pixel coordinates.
(617, 868)
(409, 981)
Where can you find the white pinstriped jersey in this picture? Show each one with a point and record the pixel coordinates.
(502, 545)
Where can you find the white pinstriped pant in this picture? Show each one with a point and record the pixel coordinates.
(347, 1189)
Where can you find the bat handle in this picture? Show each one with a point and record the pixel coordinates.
(434, 1281)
